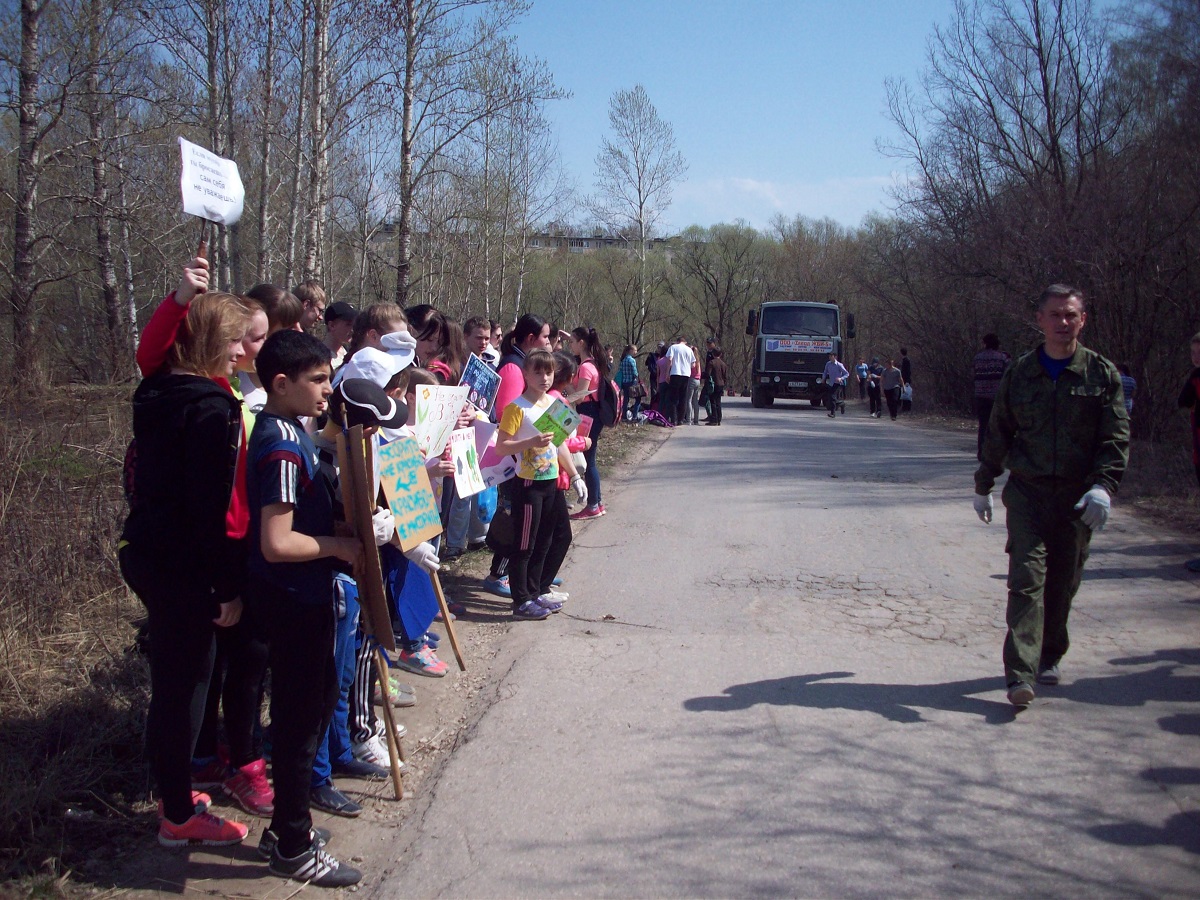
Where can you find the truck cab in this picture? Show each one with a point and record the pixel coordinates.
(793, 340)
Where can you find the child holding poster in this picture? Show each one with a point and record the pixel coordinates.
(540, 522)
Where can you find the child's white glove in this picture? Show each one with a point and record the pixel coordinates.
(580, 489)
(983, 506)
(424, 556)
(1095, 505)
(383, 523)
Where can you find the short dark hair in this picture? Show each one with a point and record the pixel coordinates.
(290, 353)
(284, 309)
(476, 322)
(1061, 290)
(991, 341)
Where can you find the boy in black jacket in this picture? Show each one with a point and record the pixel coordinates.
(292, 555)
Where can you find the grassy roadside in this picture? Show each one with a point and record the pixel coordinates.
(73, 686)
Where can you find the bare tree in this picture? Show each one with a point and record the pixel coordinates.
(636, 170)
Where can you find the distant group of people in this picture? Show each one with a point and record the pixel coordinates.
(233, 541)
(681, 382)
(877, 384)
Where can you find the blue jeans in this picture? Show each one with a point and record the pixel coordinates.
(336, 744)
(629, 403)
(463, 526)
(591, 478)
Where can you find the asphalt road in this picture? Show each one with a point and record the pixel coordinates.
(800, 694)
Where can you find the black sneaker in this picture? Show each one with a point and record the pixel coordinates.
(331, 800)
(270, 840)
(314, 866)
(360, 768)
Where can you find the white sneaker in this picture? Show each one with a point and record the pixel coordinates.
(560, 596)
(374, 750)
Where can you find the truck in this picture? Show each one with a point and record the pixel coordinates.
(792, 343)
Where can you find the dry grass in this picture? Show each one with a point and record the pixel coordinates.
(72, 693)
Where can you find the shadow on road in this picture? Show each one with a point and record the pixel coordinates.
(903, 702)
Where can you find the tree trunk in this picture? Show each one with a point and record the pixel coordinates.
(404, 226)
(319, 166)
(262, 247)
(298, 149)
(131, 324)
(120, 362)
(27, 358)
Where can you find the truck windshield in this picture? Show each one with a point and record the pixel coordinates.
(805, 320)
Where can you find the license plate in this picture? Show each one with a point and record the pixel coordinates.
(797, 384)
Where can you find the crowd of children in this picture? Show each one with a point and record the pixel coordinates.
(235, 541)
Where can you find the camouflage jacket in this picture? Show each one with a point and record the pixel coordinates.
(1063, 435)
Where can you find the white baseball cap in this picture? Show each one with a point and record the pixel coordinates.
(373, 365)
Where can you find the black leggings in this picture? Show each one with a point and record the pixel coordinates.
(237, 687)
(182, 646)
(542, 538)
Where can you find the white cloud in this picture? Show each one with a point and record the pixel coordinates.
(845, 200)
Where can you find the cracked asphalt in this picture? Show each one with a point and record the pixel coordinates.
(779, 675)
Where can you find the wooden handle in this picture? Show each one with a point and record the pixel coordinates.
(441, 599)
(395, 748)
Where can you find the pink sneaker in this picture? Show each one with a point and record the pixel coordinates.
(250, 788)
(202, 829)
(200, 801)
(422, 662)
(588, 512)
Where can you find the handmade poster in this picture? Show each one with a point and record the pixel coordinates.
(210, 185)
(409, 495)
(585, 426)
(438, 407)
(493, 468)
(558, 421)
(467, 479)
(482, 383)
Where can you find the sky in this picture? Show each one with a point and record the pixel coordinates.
(777, 105)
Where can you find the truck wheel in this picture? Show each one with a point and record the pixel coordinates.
(760, 398)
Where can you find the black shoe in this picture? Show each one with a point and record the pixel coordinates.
(316, 867)
(270, 840)
(331, 800)
(358, 768)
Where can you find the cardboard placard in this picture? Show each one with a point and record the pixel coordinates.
(409, 495)
(353, 466)
(585, 426)
(482, 383)
(467, 479)
(210, 185)
(438, 407)
(494, 469)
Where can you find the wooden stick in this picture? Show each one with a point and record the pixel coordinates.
(441, 599)
(202, 250)
(395, 748)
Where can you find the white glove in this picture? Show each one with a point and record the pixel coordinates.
(983, 506)
(424, 556)
(1095, 505)
(383, 523)
(580, 489)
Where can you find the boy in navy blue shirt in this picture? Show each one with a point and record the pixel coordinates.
(292, 562)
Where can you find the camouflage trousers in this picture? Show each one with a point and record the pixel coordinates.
(1047, 547)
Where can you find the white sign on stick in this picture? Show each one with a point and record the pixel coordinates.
(210, 185)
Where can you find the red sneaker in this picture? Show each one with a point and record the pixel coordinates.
(249, 787)
(588, 512)
(202, 829)
(200, 801)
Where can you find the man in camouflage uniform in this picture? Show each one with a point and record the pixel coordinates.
(1059, 426)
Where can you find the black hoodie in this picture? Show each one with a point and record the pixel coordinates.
(187, 432)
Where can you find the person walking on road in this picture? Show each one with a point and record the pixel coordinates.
(905, 366)
(892, 382)
(1059, 425)
(835, 376)
(716, 373)
(875, 387)
(860, 372)
(990, 363)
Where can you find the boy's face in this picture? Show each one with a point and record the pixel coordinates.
(478, 340)
(341, 330)
(306, 395)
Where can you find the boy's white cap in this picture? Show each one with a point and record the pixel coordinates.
(374, 365)
(402, 345)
